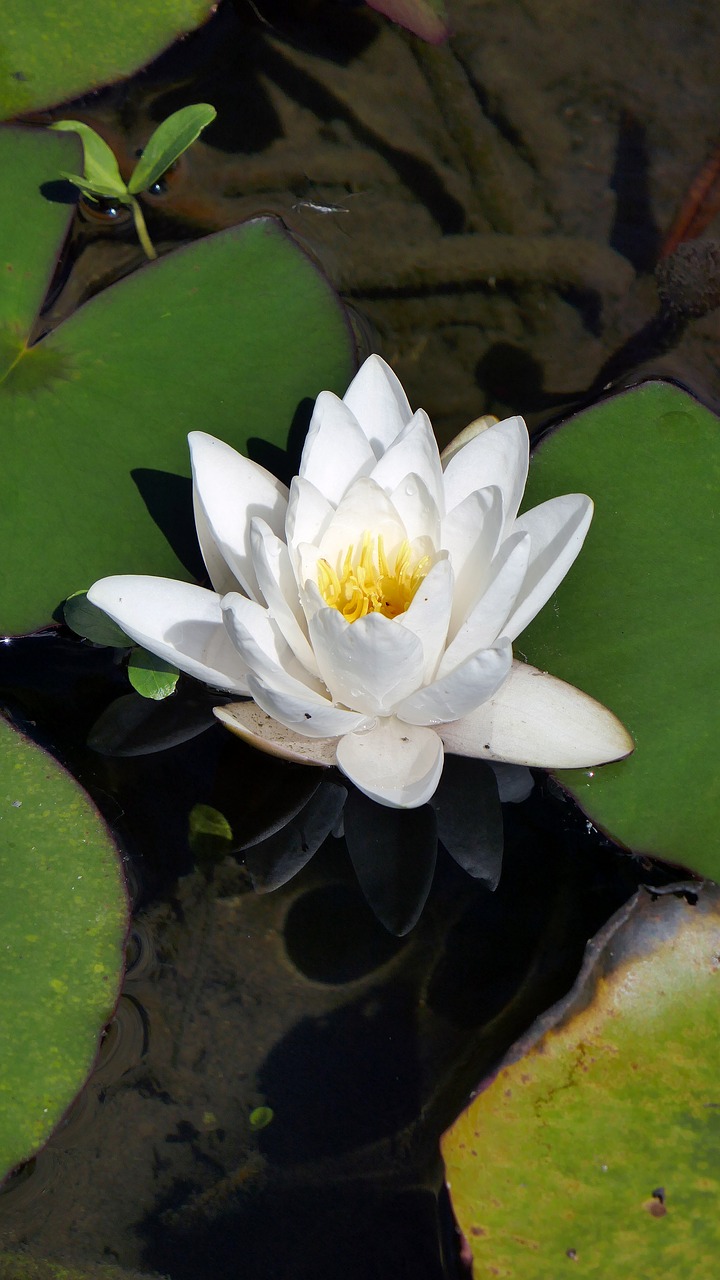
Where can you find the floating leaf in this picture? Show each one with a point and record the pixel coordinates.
(53, 51)
(209, 832)
(150, 676)
(230, 334)
(595, 1147)
(86, 620)
(168, 142)
(636, 621)
(63, 915)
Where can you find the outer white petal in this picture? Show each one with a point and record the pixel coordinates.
(378, 401)
(369, 665)
(557, 530)
(537, 720)
(308, 515)
(249, 722)
(463, 689)
(485, 621)
(336, 451)
(397, 764)
(417, 509)
(414, 452)
(262, 646)
(227, 490)
(496, 456)
(470, 533)
(364, 508)
(306, 713)
(176, 621)
(278, 585)
(428, 616)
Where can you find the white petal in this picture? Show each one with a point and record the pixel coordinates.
(278, 585)
(176, 621)
(463, 689)
(262, 646)
(227, 490)
(537, 720)
(399, 765)
(485, 621)
(365, 508)
(414, 452)
(557, 530)
(417, 509)
(377, 399)
(496, 456)
(368, 665)
(308, 515)
(336, 450)
(249, 722)
(306, 712)
(470, 533)
(428, 616)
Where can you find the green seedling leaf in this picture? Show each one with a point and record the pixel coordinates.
(63, 915)
(102, 175)
(86, 620)
(234, 334)
(168, 142)
(594, 1149)
(209, 832)
(636, 621)
(150, 676)
(261, 1117)
(53, 51)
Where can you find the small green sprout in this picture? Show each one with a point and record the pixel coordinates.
(102, 180)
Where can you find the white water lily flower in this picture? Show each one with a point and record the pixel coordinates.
(370, 610)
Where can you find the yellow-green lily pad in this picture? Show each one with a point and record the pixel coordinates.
(63, 917)
(594, 1150)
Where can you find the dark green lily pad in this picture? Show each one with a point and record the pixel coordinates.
(636, 622)
(229, 335)
(54, 50)
(595, 1148)
(63, 916)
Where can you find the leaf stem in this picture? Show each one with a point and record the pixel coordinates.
(142, 231)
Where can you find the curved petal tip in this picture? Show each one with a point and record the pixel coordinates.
(247, 721)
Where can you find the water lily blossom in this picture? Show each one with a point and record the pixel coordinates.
(369, 611)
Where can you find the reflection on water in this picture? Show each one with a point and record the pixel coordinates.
(509, 193)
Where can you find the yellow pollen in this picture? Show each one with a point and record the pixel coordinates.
(368, 581)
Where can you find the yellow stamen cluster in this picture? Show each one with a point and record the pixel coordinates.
(368, 581)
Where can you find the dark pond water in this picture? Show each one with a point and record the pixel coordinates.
(494, 211)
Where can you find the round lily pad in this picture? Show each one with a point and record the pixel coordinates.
(63, 917)
(636, 622)
(594, 1150)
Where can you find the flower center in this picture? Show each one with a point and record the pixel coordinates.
(369, 581)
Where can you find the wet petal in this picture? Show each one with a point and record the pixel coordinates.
(278, 585)
(228, 489)
(460, 691)
(485, 621)
(417, 509)
(377, 399)
(396, 764)
(497, 456)
(305, 712)
(470, 533)
(557, 531)
(262, 646)
(537, 720)
(368, 665)
(336, 451)
(365, 508)
(176, 621)
(308, 515)
(414, 452)
(428, 616)
(249, 722)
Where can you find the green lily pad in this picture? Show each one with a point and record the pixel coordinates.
(228, 335)
(63, 916)
(636, 622)
(54, 50)
(595, 1147)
